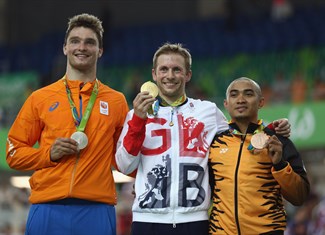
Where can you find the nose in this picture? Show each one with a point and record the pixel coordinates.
(170, 73)
(241, 98)
(82, 46)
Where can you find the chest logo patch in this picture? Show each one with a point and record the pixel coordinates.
(103, 107)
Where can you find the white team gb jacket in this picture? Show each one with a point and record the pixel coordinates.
(170, 153)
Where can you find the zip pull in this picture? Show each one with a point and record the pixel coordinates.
(171, 117)
(174, 225)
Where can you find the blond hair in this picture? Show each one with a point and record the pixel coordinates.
(177, 48)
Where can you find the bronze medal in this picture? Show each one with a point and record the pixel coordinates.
(259, 139)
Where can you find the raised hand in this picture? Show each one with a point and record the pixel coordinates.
(141, 104)
(282, 127)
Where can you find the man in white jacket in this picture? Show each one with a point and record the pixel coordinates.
(166, 141)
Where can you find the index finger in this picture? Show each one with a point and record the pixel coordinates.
(66, 140)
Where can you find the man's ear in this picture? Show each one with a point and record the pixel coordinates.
(153, 73)
(261, 103)
(100, 53)
(189, 76)
(64, 49)
(225, 103)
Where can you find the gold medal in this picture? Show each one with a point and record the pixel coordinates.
(151, 88)
(259, 139)
(81, 138)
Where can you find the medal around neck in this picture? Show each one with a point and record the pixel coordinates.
(151, 88)
(81, 138)
(259, 139)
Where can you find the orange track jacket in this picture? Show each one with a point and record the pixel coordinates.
(45, 116)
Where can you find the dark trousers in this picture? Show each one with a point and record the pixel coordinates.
(191, 228)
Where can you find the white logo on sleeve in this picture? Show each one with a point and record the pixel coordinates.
(11, 149)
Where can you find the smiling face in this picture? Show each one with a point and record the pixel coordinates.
(82, 49)
(243, 101)
(171, 76)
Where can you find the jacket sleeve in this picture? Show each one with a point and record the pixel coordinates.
(23, 135)
(221, 121)
(292, 178)
(130, 143)
(123, 113)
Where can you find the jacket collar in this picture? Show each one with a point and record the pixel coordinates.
(252, 127)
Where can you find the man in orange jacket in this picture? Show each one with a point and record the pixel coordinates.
(76, 121)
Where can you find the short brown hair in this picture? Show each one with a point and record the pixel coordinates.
(87, 21)
(176, 48)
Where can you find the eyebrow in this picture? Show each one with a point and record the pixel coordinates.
(252, 90)
(86, 39)
(245, 90)
(74, 37)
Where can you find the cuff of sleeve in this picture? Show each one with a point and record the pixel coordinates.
(270, 126)
(137, 123)
(49, 161)
(280, 165)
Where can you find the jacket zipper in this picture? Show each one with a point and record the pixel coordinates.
(78, 155)
(73, 173)
(236, 184)
(174, 165)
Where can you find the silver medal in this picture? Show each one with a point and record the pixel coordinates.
(81, 138)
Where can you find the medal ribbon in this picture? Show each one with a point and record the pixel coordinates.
(258, 130)
(176, 103)
(164, 103)
(81, 124)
